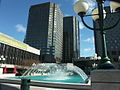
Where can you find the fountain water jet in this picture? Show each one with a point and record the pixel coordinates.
(54, 72)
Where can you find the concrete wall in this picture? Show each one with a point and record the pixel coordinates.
(105, 79)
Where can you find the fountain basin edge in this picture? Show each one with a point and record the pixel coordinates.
(80, 86)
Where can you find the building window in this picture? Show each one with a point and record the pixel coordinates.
(114, 53)
(115, 59)
(119, 52)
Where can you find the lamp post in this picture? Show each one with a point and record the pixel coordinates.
(81, 7)
(2, 59)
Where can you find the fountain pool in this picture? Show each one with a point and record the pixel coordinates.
(52, 72)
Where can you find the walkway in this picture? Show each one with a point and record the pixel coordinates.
(5, 86)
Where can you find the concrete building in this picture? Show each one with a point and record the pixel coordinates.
(71, 39)
(45, 31)
(17, 53)
(112, 36)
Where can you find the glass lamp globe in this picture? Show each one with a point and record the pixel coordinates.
(2, 56)
(81, 7)
(99, 57)
(95, 11)
(114, 5)
(3, 59)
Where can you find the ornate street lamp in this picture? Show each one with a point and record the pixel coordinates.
(2, 59)
(81, 7)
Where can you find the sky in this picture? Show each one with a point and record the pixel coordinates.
(14, 17)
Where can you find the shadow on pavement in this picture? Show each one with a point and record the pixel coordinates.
(7, 87)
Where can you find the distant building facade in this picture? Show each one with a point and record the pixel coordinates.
(17, 53)
(112, 36)
(71, 39)
(45, 31)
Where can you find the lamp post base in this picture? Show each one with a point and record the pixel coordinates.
(105, 64)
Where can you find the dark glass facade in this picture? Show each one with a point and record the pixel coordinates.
(45, 31)
(112, 36)
(71, 39)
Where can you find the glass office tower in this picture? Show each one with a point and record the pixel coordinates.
(71, 39)
(45, 31)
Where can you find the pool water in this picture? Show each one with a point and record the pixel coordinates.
(68, 79)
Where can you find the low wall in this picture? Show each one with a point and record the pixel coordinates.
(66, 86)
(105, 79)
(7, 75)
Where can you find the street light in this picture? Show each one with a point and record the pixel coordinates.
(2, 59)
(81, 7)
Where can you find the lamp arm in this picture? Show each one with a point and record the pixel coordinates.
(87, 25)
(98, 28)
(113, 25)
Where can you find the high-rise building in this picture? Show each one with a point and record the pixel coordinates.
(112, 36)
(71, 39)
(45, 31)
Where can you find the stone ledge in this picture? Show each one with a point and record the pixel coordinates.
(108, 76)
(105, 86)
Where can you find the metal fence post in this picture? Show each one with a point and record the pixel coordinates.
(25, 84)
